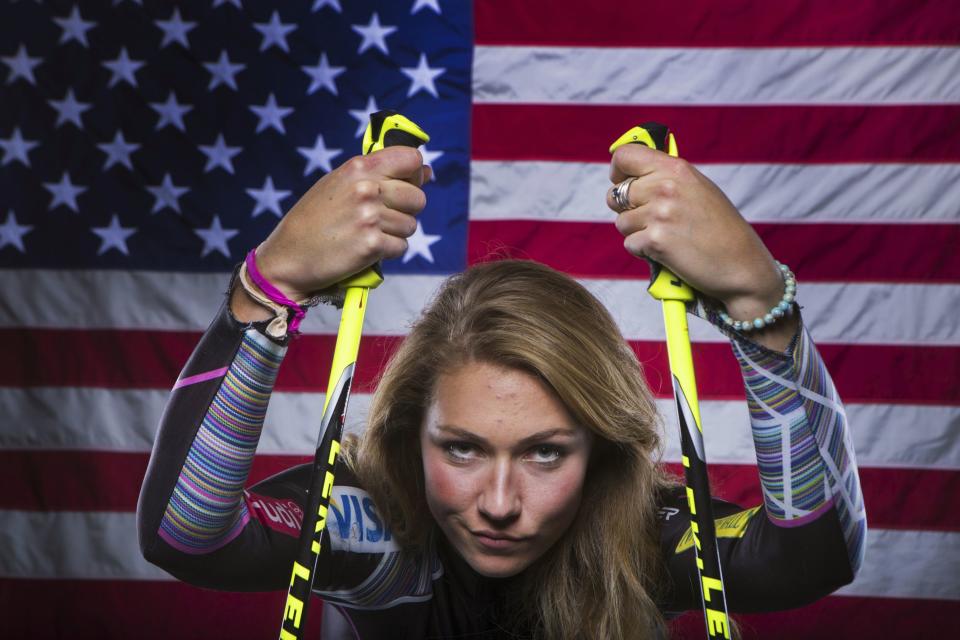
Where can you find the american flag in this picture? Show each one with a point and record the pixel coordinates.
(147, 145)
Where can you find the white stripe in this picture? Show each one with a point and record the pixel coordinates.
(71, 545)
(835, 313)
(909, 564)
(884, 435)
(859, 193)
(98, 545)
(716, 76)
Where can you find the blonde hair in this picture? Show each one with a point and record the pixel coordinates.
(600, 579)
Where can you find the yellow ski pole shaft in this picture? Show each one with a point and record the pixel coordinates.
(674, 295)
(386, 129)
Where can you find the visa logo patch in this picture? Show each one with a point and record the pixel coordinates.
(356, 526)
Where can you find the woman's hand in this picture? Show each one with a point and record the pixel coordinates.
(358, 214)
(682, 220)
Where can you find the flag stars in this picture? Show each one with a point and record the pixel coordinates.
(268, 198)
(236, 3)
(318, 156)
(16, 148)
(274, 33)
(271, 115)
(12, 233)
(323, 75)
(64, 193)
(69, 110)
(167, 195)
(118, 151)
(422, 77)
(171, 112)
(215, 238)
(425, 4)
(175, 29)
(320, 4)
(363, 116)
(219, 155)
(74, 27)
(223, 71)
(113, 236)
(122, 69)
(429, 159)
(419, 245)
(373, 35)
(21, 66)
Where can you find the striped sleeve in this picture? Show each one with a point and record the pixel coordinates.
(206, 509)
(803, 443)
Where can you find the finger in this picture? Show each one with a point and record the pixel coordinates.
(635, 160)
(631, 221)
(401, 163)
(403, 196)
(399, 225)
(393, 247)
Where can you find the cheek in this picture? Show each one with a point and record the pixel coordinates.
(447, 489)
(557, 501)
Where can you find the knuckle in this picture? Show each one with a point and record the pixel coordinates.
(366, 190)
(368, 215)
(357, 165)
(667, 188)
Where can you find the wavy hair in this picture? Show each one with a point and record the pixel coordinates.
(600, 579)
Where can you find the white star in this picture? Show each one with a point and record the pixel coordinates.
(166, 194)
(12, 233)
(69, 109)
(170, 112)
(236, 3)
(21, 65)
(422, 77)
(219, 155)
(118, 151)
(318, 156)
(113, 236)
(64, 192)
(222, 72)
(74, 27)
(323, 75)
(274, 32)
(320, 4)
(175, 29)
(139, 2)
(271, 115)
(363, 116)
(16, 147)
(268, 198)
(215, 238)
(373, 34)
(419, 245)
(123, 68)
(430, 157)
(420, 4)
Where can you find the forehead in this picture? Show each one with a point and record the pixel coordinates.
(496, 402)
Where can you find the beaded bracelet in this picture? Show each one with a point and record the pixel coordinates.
(783, 308)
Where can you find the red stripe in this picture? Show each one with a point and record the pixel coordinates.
(55, 609)
(152, 359)
(46, 481)
(852, 618)
(723, 134)
(702, 23)
(826, 252)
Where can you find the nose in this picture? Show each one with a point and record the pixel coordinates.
(500, 498)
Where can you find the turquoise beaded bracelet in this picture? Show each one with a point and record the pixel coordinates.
(783, 308)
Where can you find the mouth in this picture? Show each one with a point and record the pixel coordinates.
(497, 541)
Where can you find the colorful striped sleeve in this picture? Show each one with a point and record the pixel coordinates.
(803, 443)
(206, 509)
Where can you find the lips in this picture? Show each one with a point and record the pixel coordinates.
(497, 541)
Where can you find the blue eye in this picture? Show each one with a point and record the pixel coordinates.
(460, 451)
(546, 454)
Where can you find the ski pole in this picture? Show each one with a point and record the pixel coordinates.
(386, 129)
(674, 294)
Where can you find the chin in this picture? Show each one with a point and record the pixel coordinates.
(497, 567)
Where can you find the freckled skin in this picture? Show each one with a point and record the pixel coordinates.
(504, 464)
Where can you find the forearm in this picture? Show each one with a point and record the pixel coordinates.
(192, 494)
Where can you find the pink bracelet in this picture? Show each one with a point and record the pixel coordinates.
(272, 292)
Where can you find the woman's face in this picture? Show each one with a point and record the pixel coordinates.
(504, 464)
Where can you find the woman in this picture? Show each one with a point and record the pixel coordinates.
(508, 483)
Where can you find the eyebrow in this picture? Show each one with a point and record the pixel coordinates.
(539, 436)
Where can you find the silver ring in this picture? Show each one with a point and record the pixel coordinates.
(621, 194)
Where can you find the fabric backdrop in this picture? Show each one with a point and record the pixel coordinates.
(147, 145)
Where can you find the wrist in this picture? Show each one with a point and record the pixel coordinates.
(759, 311)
